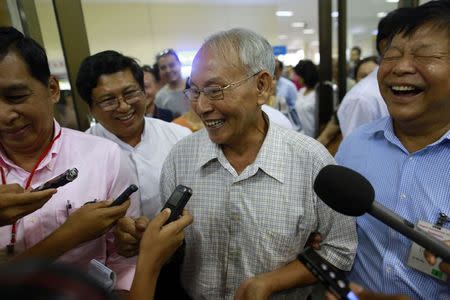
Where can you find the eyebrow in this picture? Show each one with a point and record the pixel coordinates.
(125, 89)
(214, 80)
(17, 88)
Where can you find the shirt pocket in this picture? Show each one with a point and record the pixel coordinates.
(286, 217)
(63, 213)
(282, 233)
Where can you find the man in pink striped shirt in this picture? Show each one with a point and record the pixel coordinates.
(34, 149)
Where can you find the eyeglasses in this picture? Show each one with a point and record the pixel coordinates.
(213, 92)
(112, 103)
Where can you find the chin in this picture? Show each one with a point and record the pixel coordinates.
(216, 139)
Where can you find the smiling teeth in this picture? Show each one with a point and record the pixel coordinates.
(124, 118)
(214, 123)
(403, 88)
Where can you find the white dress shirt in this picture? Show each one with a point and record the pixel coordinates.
(277, 116)
(362, 104)
(148, 156)
(307, 111)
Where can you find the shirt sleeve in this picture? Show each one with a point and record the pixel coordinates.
(122, 175)
(339, 237)
(168, 180)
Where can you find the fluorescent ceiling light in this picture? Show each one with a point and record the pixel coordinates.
(284, 13)
(335, 14)
(282, 37)
(298, 24)
(392, 1)
(381, 14)
(308, 31)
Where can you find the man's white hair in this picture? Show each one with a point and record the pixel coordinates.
(254, 52)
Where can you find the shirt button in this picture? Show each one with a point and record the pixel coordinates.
(388, 269)
(402, 196)
(411, 158)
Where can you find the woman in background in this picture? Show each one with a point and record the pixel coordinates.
(306, 98)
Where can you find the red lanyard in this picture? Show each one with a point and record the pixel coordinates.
(10, 247)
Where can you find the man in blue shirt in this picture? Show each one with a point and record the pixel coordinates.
(406, 156)
(286, 89)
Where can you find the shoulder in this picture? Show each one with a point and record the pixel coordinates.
(192, 144)
(96, 129)
(360, 137)
(166, 128)
(277, 116)
(302, 148)
(162, 91)
(90, 143)
(287, 82)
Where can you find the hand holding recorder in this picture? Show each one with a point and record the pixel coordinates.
(15, 202)
(128, 232)
(94, 219)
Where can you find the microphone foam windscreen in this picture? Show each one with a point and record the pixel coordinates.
(344, 190)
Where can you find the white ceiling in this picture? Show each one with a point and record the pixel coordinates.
(362, 17)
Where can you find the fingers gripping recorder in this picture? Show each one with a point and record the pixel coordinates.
(66, 177)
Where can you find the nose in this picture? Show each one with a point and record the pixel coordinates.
(123, 105)
(203, 104)
(7, 113)
(404, 65)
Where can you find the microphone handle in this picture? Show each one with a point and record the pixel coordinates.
(409, 230)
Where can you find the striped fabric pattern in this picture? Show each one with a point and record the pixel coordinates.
(414, 185)
(256, 221)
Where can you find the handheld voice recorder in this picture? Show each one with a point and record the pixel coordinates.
(124, 196)
(333, 278)
(177, 201)
(58, 181)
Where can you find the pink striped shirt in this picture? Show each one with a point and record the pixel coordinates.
(103, 174)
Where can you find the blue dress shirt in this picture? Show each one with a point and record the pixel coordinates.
(287, 90)
(413, 185)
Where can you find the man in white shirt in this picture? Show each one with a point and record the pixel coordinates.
(362, 104)
(112, 85)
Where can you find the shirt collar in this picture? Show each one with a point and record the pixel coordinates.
(209, 150)
(100, 129)
(48, 161)
(385, 128)
(269, 159)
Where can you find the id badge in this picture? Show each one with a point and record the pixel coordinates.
(416, 258)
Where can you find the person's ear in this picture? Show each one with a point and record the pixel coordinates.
(264, 85)
(53, 88)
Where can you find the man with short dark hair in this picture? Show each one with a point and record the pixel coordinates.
(171, 95)
(363, 103)
(35, 149)
(113, 86)
(406, 155)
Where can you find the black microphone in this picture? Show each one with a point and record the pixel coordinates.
(349, 193)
